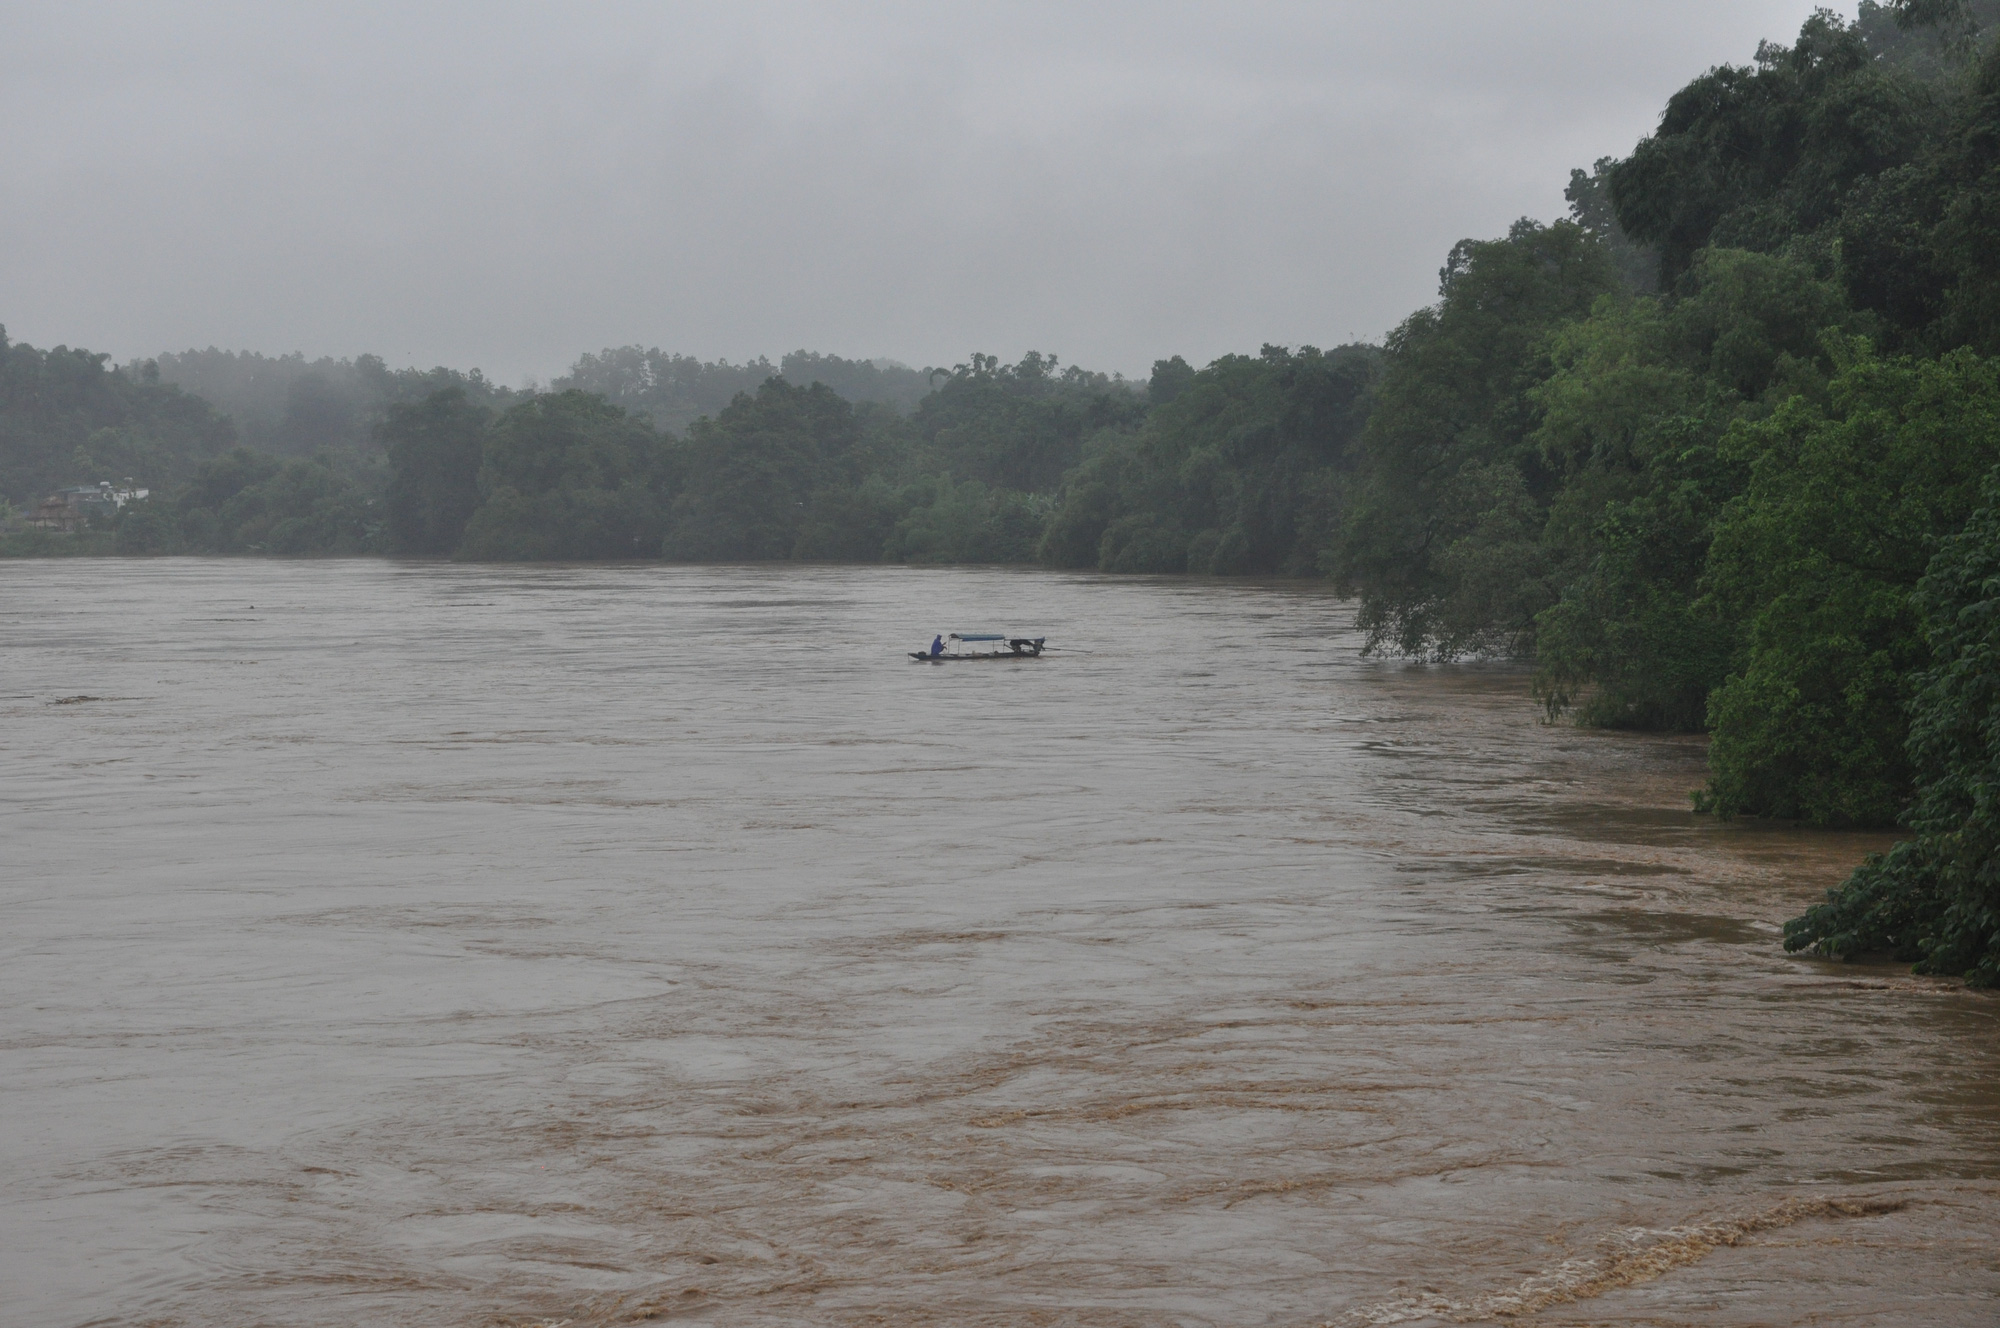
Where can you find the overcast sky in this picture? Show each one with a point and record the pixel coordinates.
(506, 185)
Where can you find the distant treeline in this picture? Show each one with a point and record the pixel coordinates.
(292, 406)
(1232, 469)
(251, 453)
(65, 418)
(674, 391)
(1716, 452)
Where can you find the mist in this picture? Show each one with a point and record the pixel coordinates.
(507, 186)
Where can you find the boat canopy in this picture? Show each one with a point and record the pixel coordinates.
(979, 636)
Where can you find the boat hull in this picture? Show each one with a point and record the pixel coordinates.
(923, 658)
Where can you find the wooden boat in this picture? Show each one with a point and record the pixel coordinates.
(1003, 647)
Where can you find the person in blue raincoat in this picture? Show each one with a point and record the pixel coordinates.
(937, 645)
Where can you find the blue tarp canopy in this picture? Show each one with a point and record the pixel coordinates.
(978, 636)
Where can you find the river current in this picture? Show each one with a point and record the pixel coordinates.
(417, 944)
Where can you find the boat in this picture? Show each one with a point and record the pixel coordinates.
(1001, 646)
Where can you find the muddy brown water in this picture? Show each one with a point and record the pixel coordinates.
(411, 944)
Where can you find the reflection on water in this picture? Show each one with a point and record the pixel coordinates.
(440, 945)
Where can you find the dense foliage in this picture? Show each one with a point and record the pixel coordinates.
(567, 475)
(1936, 898)
(66, 417)
(252, 502)
(782, 472)
(1712, 504)
(1443, 532)
(674, 391)
(293, 406)
(1237, 468)
(1816, 562)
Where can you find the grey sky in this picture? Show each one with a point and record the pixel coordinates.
(506, 185)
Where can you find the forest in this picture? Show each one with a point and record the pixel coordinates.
(1717, 452)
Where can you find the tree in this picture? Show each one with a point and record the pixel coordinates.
(1235, 469)
(749, 473)
(1762, 157)
(967, 522)
(1936, 897)
(293, 406)
(66, 417)
(1441, 536)
(1019, 426)
(1170, 379)
(1819, 558)
(1633, 412)
(568, 475)
(1589, 198)
(435, 449)
(245, 502)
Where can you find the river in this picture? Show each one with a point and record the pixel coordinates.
(416, 944)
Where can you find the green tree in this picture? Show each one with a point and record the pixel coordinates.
(750, 472)
(1019, 426)
(1936, 897)
(307, 508)
(968, 522)
(435, 449)
(1632, 415)
(863, 382)
(1818, 558)
(1589, 197)
(148, 528)
(67, 417)
(244, 502)
(853, 523)
(1442, 534)
(1236, 469)
(568, 475)
(289, 405)
(1170, 379)
(1762, 157)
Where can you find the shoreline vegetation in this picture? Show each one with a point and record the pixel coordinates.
(1719, 451)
